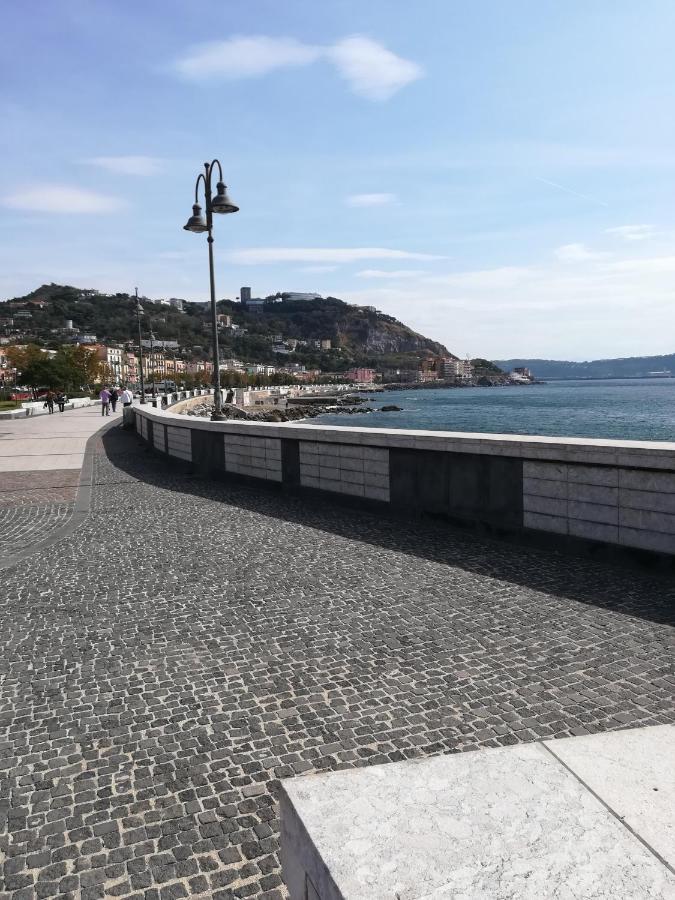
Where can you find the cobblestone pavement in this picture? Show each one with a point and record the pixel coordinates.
(196, 642)
(34, 505)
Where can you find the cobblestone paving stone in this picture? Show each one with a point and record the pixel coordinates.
(34, 506)
(196, 642)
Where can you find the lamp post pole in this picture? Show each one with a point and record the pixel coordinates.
(140, 346)
(197, 224)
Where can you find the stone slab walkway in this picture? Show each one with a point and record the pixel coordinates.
(41, 460)
(191, 643)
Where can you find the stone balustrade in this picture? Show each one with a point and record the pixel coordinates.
(597, 495)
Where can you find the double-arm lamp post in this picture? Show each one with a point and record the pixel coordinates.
(221, 203)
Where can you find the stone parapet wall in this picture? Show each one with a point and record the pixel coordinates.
(565, 491)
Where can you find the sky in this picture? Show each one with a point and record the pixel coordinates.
(500, 176)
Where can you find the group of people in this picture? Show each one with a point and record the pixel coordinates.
(58, 398)
(111, 396)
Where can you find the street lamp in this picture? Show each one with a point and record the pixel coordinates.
(221, 203)
(140, 345)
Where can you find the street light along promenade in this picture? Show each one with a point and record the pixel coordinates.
(221, 203)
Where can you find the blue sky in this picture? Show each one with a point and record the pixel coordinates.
(500, 176)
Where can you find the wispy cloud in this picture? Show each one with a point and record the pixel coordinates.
(632, 232)
(318, 270)
(54, 198)
(392, 273)
(368, 67)
(127, 165)
(573, 253)
(370, 199)
(245, 57)
(566, 190)
(260, 255)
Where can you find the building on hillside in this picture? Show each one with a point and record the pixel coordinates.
(114, 359)
(232, 364)
(361, 375)
(244, 295)
(457, 368)
(131, 367)
(177, 303)
(84, 339)
(297, 295)
(524, 372)
(224, 321)
(160, 345)
(23, 314)
(256, 304)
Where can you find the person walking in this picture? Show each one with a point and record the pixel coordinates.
(61, 400)
(105, 401)
(126, 397)
(49, 401)
(113, 398)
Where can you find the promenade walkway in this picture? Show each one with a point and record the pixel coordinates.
(190, 643)
(41, 461)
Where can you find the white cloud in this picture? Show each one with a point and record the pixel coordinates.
(56, 198)
(261, 255)
(370, 69)
(128, 165)
(318, 270)
(632, 232)
(370, 199)
(245, 57)
(392, 273)
(576, 253)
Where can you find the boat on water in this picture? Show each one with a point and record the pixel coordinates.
(663, 373)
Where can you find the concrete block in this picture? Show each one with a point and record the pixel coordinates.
(662, 482)
(376, 493)
(541, 522)
(309, 481)
(492, 824)
(550, 506)
(598, 475)
(376, 454)
(330, 484)
(273, 475)
(647, 520)
(306, 469)
(549, 471)
(593, 512)
(331, 472)
(348, 451)
(594, 531)
(647, 540)
(310, 448)
(356, 490)
(593, 493)
(632, 499)
(377, 467)
(545, 487)
(633, 771)
(349, 476)
(351, 464)
(375, 480)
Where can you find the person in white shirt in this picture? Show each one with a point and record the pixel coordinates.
(126, 397)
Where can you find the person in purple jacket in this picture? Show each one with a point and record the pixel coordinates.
(105, 401)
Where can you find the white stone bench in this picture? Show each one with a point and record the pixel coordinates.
(587, 817)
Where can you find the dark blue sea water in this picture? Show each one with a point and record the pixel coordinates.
(625, 409)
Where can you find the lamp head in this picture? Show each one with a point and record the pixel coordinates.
(221, 203)
(196, 223)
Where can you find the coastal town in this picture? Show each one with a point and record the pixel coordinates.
(158, 353)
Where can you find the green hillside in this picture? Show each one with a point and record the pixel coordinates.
(359, 335)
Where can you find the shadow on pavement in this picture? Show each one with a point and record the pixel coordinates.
(619, 588)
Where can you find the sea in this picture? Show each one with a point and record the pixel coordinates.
(639, 409)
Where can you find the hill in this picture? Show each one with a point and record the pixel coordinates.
(628, 367)
(359, 336)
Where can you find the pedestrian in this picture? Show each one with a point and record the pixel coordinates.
(49, 401)
(126, 397)
(105, 401)
(230, 396)
(61, 400)
(113, 398)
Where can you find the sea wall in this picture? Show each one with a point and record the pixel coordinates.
(597, 495)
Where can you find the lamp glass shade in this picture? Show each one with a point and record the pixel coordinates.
(221, 203)
(196, 223)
